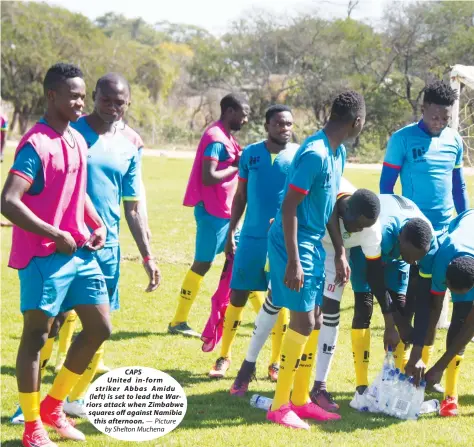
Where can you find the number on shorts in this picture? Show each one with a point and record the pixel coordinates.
(331, 287)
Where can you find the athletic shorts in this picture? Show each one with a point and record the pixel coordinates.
(109, 262)
(58, 283)
(250, 258)
(331, 290)
(396, 272)
(312, 260)
(211, 234)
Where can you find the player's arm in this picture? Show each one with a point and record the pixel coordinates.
(238, 206)
(19, 181)
(294, 272)
(343, 271)
(210, 174)
(464, 336)
(308, 169)
(142, 204)
(393, 162)
(460, 194)
(137, 224)
(93, 220)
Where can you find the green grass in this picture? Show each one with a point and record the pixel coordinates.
(213, 417)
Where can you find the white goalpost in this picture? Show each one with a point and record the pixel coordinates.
(462, 80)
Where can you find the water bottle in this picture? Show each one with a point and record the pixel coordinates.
(389, 360)
(412, 396)
(371, 394)
(429, 406)
(261, 402)
(417, 400)
(400, 405)
(385, 390)
(391, 392)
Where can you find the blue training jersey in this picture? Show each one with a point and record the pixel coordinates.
(459, 241)
(315, 172)
(265, 174)
(395, 212)
(113, 175)
(426, 163)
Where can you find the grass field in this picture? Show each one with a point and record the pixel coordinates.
(214, 418)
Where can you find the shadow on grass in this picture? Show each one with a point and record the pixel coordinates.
(187, 378)
(124, 335)
(7, 370)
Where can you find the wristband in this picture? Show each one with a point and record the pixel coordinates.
(147, 258)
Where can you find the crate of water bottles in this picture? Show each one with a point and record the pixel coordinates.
(395, 394)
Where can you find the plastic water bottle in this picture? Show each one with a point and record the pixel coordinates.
(371, 394)
(385, 390)
(389, 360)
(411, 394)
(387, 367)
(390, 393)
(261, 402)
(401, 401)
(417, 400)
(429, 406)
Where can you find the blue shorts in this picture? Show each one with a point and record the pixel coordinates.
(396, 272)
(312, 260)
(109, 262)
(58, 283)
(211, 234)
(248, 272)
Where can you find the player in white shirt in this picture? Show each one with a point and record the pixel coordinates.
(360, 210)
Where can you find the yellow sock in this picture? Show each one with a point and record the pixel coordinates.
(401, 355)
(277, 334)
(361, 353)
(45, 354)
(300, 395)
(452, 376)
(256, 300)
(189, 290)
(63, 384)
(30, 405)
(426, 354)
(291, 352)
(65, 334)
(79, 390)
(232, 320)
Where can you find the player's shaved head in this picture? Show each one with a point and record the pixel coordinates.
(111, 79)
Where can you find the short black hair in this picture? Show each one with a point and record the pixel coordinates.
(59, 73)
(460, 273)
(273, 110)
(366, 203)
(112, 78)
(232, 101)
(439, 93)
(347, 106)
(418, 232)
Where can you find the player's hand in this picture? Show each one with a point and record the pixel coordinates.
(343, 271)
(294, 276)
(65, 243)
(153, 273)
(97, 239)
(433, 376)
(415, 369)
(391, 338)
(230, 246)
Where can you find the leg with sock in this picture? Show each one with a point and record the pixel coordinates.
(65, 337)
(326, 347)
(189, 290)
(449, 406)
(278, 333)
(232, 320)
(360, 336)
(266, 319)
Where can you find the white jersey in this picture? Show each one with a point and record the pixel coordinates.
(369, 239)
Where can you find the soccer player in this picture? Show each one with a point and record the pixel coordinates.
(113, 176)
(262, 173)
(296, 254)
(211, 189)
(407, 237)
(3, 133)
(428, 157)
(453, 268)
(52, 249)
(357, 213)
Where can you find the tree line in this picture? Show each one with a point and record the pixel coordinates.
(178, 72)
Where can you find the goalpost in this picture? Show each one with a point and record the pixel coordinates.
(462, 80)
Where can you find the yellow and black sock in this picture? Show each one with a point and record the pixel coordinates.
(189, 290)
(79, 390)
(232, 320)
(63, 384)
(278, 333)
(45, 354)
(30, 405)
(256, 299)
(426, 354)
(361, 353)
(452, 377)
(401, 355)
(65, 336)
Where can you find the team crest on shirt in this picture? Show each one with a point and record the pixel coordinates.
(346, 235)
(253, 160)
(418, 154)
